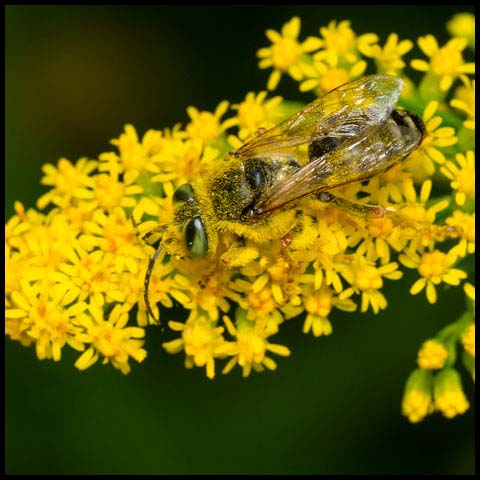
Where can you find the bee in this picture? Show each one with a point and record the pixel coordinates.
(347, 135)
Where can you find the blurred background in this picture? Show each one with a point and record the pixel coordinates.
(74, 76)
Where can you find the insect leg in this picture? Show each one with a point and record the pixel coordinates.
(151, 264)
(355, 208)
(148, 234)
(148, 274)
(158, 229)
(377, 211)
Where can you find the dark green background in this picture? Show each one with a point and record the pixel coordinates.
(74, 77)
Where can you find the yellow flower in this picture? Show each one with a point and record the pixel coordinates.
(165, 287)
(434, 268)
(389, 58)
(461, 175)
(46, 314)
(318, 305)
(463, 25)
(108, 190)
(432, 355)
(286, 55)
(422, 218)
(251, 345)
(416, 405)
(205, 290)
(436, 136)
(75, 274)
(261, 300)
(339, 40)
(376, 240)
(465, 224)
(325, 74)
(178, 162)
(367, 279)
(39, 244)
(255, 112)
(464, 100)
(417, 400)
(207, 126)
(111, 339)
(469, 290)
(65, 180)
(271, 284)
(91, 275)
(446, 63)
(116, 234)
(202, 341)
(135, 157)
(448, 393)
(468, 339)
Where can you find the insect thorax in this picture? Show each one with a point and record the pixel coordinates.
(236, 190)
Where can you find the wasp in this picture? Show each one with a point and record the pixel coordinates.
(347, 135)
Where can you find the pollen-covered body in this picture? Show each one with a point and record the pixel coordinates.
(254, 186)
(245, 182)
(350, 134)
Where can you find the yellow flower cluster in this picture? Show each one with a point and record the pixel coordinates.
(75, 267)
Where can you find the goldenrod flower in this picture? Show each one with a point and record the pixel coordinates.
(318, 305)
(111, 339)
(464, 100)
(467, 336)
(114, 233)
(91, 274)
(207, 126)
(108, 190)
(463, 25)
(376, 240)
(389, 58)
(469, 290)
(461, 175)
(326, 74)
(468, 339)
(340, 41)
(47, 315)
(202, 341)
(75, 272)
(135, 157)
(256, 112)
(65, 180)
(446, 63)
(448, 393)
(286, 55)
(436, 136)
(327, 270)
(432, 355)
(417, 400)
(410, 224)
(414, 209)
(179, 161)
(37, 245)
(251, 345)
(463, 223)
(166, 287)
(208, 293)
(272, 284)
(434, 268)
(366, 279)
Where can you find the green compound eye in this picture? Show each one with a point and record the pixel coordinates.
(195, 237)
(184, 193)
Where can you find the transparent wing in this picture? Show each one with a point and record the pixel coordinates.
(360, 158)
(344, 113)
